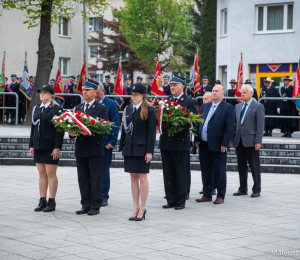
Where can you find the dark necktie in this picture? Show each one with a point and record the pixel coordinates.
(43, 108)
(134, 110)
(176, 99)
(243, 111)
(87, 107)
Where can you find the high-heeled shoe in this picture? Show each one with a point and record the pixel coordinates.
(42, 204)
(51, 205)
(133, 218)
(143, 217)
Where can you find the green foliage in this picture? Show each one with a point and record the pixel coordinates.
(156, 27)
(60, 8)
(207, 54)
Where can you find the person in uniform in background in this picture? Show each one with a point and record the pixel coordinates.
(148, 88)
(93, 77)
(77, 79)
(217, 82)
(127, 91)
(108, 86)
(231, 93)
(138, 132)
(175, 152)
(200, 92)
(32, 80)
(45, 145)
(2, 101)
(115, 79)
(19, 80)
(22, 104)
(270, 106)
(69, 88)
(139, 79)
(52, 82)
(10, 100)
(249, 82)
(89, 153)
(166, 85)
(109, 141)
(285, 107)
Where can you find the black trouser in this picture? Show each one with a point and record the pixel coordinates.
(213, 163)
(90, 170)
(251, 155)
(188, 168)
(286, 122)
(175, 175)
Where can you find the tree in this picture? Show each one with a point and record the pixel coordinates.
(45, 13)
(193, 44)
(113, 49)
(207, 54)
(155, 29)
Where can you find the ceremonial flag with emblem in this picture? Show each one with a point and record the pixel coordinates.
(296, 90)
(2, 76)
(25, 87)
(118, 89)
(58, 89)
(239, 80)
(157, 88)
(196, 79)
(82, 79)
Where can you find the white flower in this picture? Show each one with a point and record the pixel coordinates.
(167, 108)
(166, 101)
(191, 113)
(69, 125)
(85, 117)
(161, 102)
(176, 107)
(166, 105)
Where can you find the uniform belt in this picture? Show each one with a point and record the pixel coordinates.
(203, 143)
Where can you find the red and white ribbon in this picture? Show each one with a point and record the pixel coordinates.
(81, 125)
(160, 114)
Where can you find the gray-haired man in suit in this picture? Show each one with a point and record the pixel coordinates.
(250, 120)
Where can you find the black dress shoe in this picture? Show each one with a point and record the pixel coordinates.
(201, 192)
(214, 192)
(255, 195)
(266, 134)
(179, 206)
(168, 206)
(289, 135)
(143, 217)
(270, 133)
(187, 196)
(42, 204)
(104, 202)
(239, 193)
(51, 205)
(93, 212)
(82, 211)
(285, 135)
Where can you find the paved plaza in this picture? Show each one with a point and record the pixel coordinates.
(241, 228)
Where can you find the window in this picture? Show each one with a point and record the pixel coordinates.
(224, 22)
(63, 27)
(94, 25)
(93, 55)
(274, 18)
(63, 66)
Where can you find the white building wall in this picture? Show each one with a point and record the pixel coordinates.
(257, 48)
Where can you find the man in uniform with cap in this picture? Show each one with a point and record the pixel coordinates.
(285, 107)
(148, 88)
(52, 82)
(139, 79)
(89, 153)
(166, 85)
(10, 100)
(175, 151)
(70, 88)
(231, 93)
(270, 106)
(204, 87)
(108, 86)
(249, 82)
(127, 91)
(22, 103)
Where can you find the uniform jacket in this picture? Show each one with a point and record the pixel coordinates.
(252, 129)
(142, 139)
(288, 104)
(180, 141)
(231, 93)
(10, 100)
(113, 115)
(109, 88)
(128, 90)
(43, 135)
(202, 92)
(167, 89)
(220, 127)
(87, 146)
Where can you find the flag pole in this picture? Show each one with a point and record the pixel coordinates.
(26, 105)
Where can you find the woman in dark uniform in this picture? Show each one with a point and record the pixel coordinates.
(137, 146)
(45, 144)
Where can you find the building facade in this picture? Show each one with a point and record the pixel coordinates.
(267, 32)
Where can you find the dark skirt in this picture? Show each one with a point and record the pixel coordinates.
(136, 164)
(44, 156)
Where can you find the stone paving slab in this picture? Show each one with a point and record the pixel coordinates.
(241, 228)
